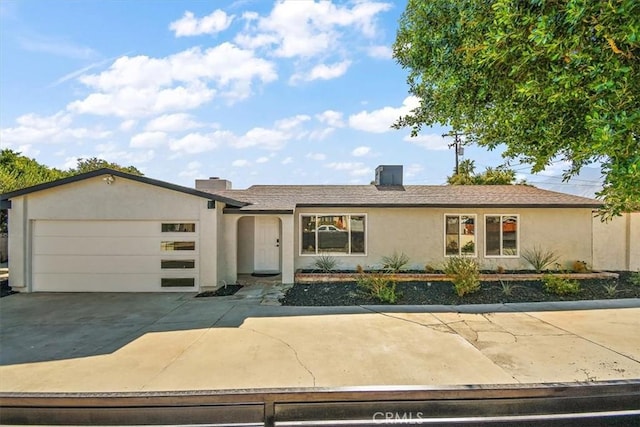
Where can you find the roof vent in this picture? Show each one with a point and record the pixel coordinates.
(389, 175)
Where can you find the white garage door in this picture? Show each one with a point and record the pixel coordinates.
(115, 256)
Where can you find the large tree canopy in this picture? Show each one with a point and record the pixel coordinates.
(552, 80)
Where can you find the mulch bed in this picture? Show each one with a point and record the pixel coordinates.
(224, 291)
(442, 293)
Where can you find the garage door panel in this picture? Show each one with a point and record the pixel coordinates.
(97, 228)
(97, 264)
(102, 283)
(104, 246)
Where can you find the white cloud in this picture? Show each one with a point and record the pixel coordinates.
(128, 125)
(142, 86)
(266, 139)
(148, 140)
(194, 143)
(380, 52)
(192, 170)
(56, 128)
(331, 117)
(240, 163)
(189, 25)
(317, 156)
(172, 123)
(306, 29)
(354, 168)
(322, 72)
(287, 161)
(380, 121)
(112, 153)
(292, 122)
(430, 141)
(320, 134)
(361, 151)
(262, 159)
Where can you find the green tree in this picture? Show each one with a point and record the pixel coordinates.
(491, 176)
(549, 79)
(88, 165)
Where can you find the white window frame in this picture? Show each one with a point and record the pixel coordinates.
(475, 235)
(501, 216)
(345, 254)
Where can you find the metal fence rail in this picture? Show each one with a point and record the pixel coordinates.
(562, 404)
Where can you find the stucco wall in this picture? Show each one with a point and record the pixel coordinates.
(616, 243)
(93, 199)
(419, 232)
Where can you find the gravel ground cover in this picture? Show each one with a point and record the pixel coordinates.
(436, 293)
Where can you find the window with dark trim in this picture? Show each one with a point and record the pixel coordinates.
(460, 235)
(179, 227)
(177, 263)
(333, 233)
(501, 235)
(177, 246)
(177, 282)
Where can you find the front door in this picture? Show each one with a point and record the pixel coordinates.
(267, 244)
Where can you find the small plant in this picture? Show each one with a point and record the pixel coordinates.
(579, 267)
(539, 258)
(359, 269)
(429, 268)
(325, 263)
(380, 287)
(464, 273)
(634, 278)
(560, 286)
(508, 288)
(500, 269)
(395, 262)
(611, 289)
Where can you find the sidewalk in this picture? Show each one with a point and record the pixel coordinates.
(129, 342)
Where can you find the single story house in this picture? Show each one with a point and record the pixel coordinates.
(109, 231)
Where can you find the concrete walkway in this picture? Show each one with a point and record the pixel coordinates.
(130, 342)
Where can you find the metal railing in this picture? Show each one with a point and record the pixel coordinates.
(559, 404)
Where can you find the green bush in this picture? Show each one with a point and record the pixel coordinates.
(395, 262)
(325, 263)
(379, 286)
(539, 258)
(464, 273)
(560, 286)
(634, 279)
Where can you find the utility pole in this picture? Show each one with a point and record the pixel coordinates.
(457, 143)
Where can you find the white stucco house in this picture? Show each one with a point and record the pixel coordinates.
(109, 231)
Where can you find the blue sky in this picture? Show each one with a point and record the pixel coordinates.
(258, 92)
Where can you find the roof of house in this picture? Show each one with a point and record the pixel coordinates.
(285, 198)
(117, 173)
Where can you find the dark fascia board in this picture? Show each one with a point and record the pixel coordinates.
(258, 212)
(450, 205)
(107, 171)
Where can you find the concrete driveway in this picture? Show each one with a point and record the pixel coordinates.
(127, 342)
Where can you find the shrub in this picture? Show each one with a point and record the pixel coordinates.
(464, 273)
(539, 258)
(500, 269)
(579, 266)
(379, 286)
(395, 262)
(560, 286)
(508, 288)
(325, 263)
(359, 269)
(429, 268)
(611, 289)
(634, 278)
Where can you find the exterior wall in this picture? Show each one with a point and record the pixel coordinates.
(419, 232)
(246, 235)
(616, 244)
(92, 199)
